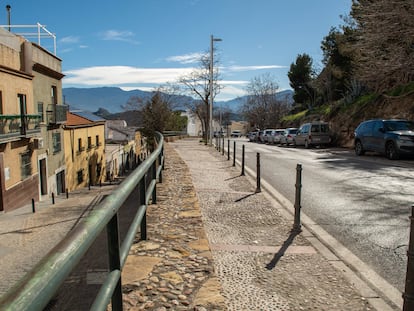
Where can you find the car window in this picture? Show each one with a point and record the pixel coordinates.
(365, 127)
(377, 126)
(293, 131)
(315, 128)
(399, 126)
(324, 128)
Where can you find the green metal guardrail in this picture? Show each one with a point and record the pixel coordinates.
(38, 287)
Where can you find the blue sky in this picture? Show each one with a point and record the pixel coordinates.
(137, 44)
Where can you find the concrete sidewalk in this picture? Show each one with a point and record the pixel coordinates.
(213, 244)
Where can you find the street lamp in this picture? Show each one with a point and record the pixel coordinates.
(212, 40)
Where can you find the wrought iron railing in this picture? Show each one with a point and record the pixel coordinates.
(40, 284)
(19, 125)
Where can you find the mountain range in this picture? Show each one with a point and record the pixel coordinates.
(112, 99)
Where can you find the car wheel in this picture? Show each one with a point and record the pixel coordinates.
(359, 150)
(391, 152)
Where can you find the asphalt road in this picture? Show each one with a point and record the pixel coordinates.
(364, 202)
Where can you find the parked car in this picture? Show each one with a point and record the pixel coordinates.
(390, 137)
(236, 133)
(267, 135)
(288, 136)
(260, 137)
(276, 135)
(253, 135)
(313, 134)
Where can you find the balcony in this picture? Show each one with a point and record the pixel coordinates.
(56, 114)
(14, 127)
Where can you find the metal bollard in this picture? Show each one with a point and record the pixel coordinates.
(228, 149)
(298, 185)
(33, 206)
(234, 153)
(409, 278)
(53, 198)
(222, 149)
(67, 193)
(258, 186)
(242, 171)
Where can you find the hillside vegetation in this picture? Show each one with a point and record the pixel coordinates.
(344, 118)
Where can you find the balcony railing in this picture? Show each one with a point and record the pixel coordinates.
(56, 113)
(14, 126)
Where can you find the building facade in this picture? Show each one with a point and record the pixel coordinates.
(19, 124)
(47, 94)
(84, 140)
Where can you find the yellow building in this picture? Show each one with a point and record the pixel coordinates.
(19, 124)
(84, 139)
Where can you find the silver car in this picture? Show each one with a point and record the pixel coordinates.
(288, 136)
(313, 134)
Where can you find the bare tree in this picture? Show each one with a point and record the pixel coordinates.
(262, 108)
(384, 42)
(197, 83)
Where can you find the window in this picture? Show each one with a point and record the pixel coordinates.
(89, 142)
(57, 146)
(40, 111)
(80, 176)
(80, 148)
(1, 102)
(97, 141)
(26, 165)
(54, 95)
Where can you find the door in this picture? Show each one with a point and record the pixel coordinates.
(43, 176)
(60, 182)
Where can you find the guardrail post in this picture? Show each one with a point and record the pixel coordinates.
(228, 149)
(114, 260)
(298, 185)
(409, 278)
(142, 194)
(154, 177)
(242, 171)
(160, 161)
(234, 153)
(258, 187)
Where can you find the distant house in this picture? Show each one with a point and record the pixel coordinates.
(84, 136)
(125, 148)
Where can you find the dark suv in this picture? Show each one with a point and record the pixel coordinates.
(390, 137)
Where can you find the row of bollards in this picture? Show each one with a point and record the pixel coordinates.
(53, 200)
(298, 185)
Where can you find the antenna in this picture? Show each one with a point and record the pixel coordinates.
(8, 8)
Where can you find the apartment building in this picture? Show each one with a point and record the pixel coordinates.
(84, 140)
(47, 95)
(19, 124)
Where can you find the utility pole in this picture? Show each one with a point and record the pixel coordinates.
(212, 40)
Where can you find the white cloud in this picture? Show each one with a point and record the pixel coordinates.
(191, 58)
(251, 68)
(115, 35)
(118, 75)
(69, 39)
